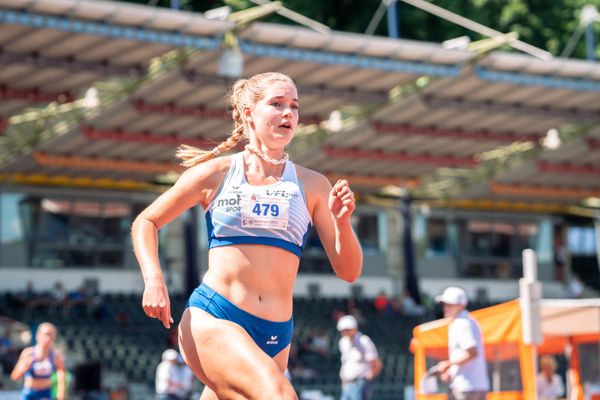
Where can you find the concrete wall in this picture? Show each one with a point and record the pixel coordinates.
(128, 281)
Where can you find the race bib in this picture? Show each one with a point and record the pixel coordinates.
(262, 211)
(42, 368)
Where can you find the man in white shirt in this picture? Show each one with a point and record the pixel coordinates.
(185, 377)
(173, 378)
(549, 384)
(360, 361)
(466, 368)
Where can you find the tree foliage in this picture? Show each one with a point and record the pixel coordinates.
(547, 24)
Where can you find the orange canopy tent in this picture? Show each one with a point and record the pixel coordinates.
(565, 325)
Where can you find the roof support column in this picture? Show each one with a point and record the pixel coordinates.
(191, 249)
(590, 42)
(411, 282)
(392, 19)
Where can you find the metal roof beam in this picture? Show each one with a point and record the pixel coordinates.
(350, 60)
(593, 144)
(211, 43)
(500, 205)
(147, 138)
(543, 190)
(477, 27)
(200, 111)
(348, 93)
(34, 95)
(374, 180)
(69, 63)
(407, 129)
(399, 157)
(522, 79)
(569, 168)
(110, 31)
(106, 164)
(81, 181)
(489, 106)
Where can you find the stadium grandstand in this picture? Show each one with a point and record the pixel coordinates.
(461, 158)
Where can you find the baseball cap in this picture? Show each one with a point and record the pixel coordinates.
(169, 355)
(452, 295)
(347, 322)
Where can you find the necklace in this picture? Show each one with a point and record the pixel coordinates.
(268, 159)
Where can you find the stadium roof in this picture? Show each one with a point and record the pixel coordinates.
(455, 123)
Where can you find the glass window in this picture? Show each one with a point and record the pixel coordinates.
(526, 237)
(589, 359)
(85, 221)
(367, 230)
(13, 249)
(53, 223)
(581, 240)
(367, 227)
(57, 232)
(314, 258)
(493, 247)
(437, 241)
(544, 241)
(502, 237)
(480, 238)
(504, 367)
(116, 222)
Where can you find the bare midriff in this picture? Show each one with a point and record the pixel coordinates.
(37, 383)
(258, 279)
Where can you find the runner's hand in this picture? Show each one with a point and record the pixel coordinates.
(341, 200)
(156, 303)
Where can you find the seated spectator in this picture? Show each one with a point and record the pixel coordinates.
(396, 305)
(575, 288)
(79, 302)
(120, 393)
(549, 384)
(410, 307)
(58, 298)
(301, 371)
(320, 343)
(382, 303)
(28, 298)
(6, 346)
(353, 309)
(99, 309)
(337, 314)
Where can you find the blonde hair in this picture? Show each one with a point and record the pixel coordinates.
(48, 325)
(244, 93)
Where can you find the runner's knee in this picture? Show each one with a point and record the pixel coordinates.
(280, 389)
(267, 387)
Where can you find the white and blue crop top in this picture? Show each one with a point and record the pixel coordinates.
(274, 215)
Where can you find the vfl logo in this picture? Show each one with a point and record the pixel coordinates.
(273, 340)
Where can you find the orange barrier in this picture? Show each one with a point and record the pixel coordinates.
(502, 332)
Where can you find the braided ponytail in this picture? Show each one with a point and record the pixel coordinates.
(244, 93)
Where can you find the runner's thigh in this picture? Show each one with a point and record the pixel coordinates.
(227, 360)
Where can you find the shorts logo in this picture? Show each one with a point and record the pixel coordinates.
(273, 340)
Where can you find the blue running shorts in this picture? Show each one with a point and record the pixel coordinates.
(33, 394)
(270, 336)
